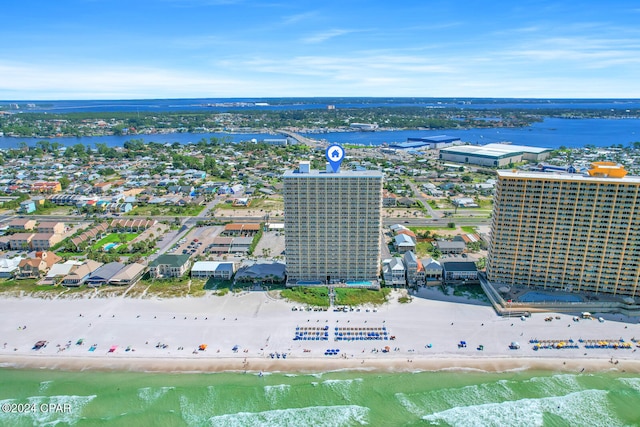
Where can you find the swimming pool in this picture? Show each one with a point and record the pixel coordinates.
(358, 283)
(109, 246)
(534, 296)
(308, 283)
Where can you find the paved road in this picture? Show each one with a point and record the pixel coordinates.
(418, 195)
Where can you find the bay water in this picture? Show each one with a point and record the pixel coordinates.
(444, 398)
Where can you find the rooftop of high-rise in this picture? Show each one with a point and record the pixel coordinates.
(599, 172)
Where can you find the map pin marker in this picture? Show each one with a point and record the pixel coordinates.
(335, 154)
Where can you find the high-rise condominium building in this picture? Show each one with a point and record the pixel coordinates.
(332, 225)
(568, 231)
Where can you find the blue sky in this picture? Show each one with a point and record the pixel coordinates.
(116, 49)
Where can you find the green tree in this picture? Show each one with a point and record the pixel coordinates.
(64, 182)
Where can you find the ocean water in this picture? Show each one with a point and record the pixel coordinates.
(447, 398)
(551, 133)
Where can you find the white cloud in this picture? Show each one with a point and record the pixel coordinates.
(326, 35)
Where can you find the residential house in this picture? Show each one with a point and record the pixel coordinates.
(51, 227)
(22, 224)
(131, 225)
(261, 272)
(103, 274)
(169, 265)
(34, 267)
(394, 272)
(389, 199)
(31, 268)
(470, 238)
(119, 207)
(218, 270)
(27, 207)
(9, 267)
(463, 271)
(78, 276)
(102, 187)
(59, 271)
(432, 269)
(20, 241)
(43, 241)
(450, 247)
(46, 187)
(414, 269)
(129, 275)
(90, 235)
(403, 243)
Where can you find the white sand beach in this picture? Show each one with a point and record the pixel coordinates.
(164, 335)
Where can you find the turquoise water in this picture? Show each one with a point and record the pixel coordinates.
(449, 398)
(108, 246)
(359, 283)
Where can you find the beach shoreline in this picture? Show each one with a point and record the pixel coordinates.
(259, 366)
(253, 333)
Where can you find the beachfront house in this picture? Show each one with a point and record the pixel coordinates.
(129, 275)
(460, 271)
(414, 269)
(78, 276)
(59, 271)
(218, 270)
(103, 274)
(394, 272)
(34, 267)
(169, 265)
(432, 269)
(262, 272)
(9, 267)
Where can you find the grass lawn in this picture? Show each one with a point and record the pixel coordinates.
(472, 212)
(353, 297)
(169, 288)
(257, 203)
(468, 229)
(485, 203)
(53, 210)
(114, 238)
(315, 296)
(423, 249)
(221, 287)
(418, 230)
(30, 287)
(162, 210)
(470, 291)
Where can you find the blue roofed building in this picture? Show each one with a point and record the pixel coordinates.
(431, 142)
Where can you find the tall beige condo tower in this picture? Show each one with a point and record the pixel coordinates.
(576, 232)
(332, 225)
